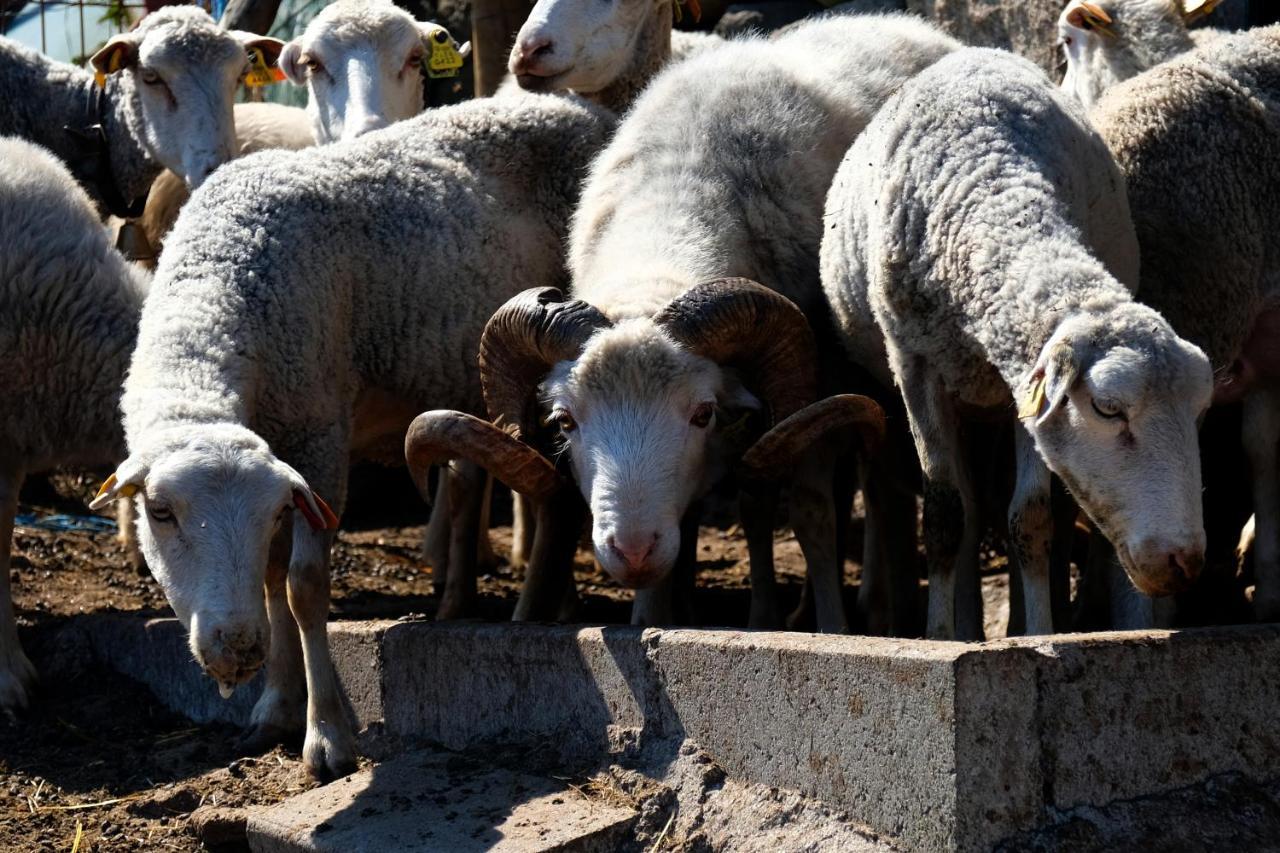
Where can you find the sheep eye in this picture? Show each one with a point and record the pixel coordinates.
(149, 77)
(566, 422)
(702, 415)
(160, 513)
(414, 60)
(314, 65)
(1107, 409)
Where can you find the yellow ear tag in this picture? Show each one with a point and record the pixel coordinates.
(1034, 401)
(100, 79)
(1193, 10)
(445, 60)
(260, 73)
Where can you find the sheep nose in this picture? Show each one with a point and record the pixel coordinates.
(529, 50)
(1187, 562)
(634, 550)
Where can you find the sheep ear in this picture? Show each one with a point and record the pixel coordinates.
(1046, 389)
(313, 508)
(1193, 10)
(270, 48)
(126, 482)
(264, 54)
(119, 53)
(289, 61)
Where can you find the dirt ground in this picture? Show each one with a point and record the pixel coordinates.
(97, 757)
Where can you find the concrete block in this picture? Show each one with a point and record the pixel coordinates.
(432, 802)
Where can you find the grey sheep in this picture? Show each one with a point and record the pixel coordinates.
(68, 319)
(1198, 141)
(308, 305)
(164, 102)
(979, 251)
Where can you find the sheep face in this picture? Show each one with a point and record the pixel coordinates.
(637, 414)
(575, 44)
(362, 66)
(1114, 410)
(185, 71)
(1105, 42)
(209, 505)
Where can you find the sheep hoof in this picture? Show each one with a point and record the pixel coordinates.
(262, 737)
(17, 682)
(329, 752)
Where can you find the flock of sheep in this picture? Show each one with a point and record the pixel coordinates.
(651, 262)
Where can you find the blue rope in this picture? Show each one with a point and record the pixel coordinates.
(85, 523)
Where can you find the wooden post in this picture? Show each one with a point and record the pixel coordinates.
(494, 24)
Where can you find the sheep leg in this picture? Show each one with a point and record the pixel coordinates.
(466, 495)
(879, 606)
(1261, 440)
(280, 712)
(685, 573)
(17, 675)
(485, 557)
(328, 751)
(523, 527)
(435, 542)
(1031, 533)
(127, 535)
(813, 517)
(548, 579)
(757, 507)
(951, 519)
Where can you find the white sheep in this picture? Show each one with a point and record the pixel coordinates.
(607, 52)
(68, 318)
(1107, 41)
(363, 62)
(163, 101)
(1198, 141)
(308, 304)
(718, 172)
(979, 251)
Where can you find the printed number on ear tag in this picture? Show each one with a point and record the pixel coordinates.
(445, 60)
(261, 74)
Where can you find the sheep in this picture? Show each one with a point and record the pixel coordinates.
(1107, 41)
(68, 317)
(362, 62)
(1196, 139)
(717, 174)
(605, 52)
(162, 100)
(308, 304)
(979, 249)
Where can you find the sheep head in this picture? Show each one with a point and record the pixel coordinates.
(184, 72)
(210, 501)
(583, 45)
(1113, 404)
(1105, 42)
(362, 62)
(648, 410)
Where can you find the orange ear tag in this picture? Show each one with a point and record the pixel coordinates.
(260, 73)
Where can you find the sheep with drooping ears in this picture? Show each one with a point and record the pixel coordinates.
(695, 242)
(68, 319)
(1197, 141)
(979, 253)
(1106, 42)
(291, 329)
(164, 101)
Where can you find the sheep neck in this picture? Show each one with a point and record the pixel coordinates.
(652, 51)
(132, 165)
(1035, 298)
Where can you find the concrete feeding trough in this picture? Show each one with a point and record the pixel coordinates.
(929, 745)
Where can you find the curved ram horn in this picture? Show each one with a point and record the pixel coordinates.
(739, 322)
(437, 436)
(773, 456)
(521, 342)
